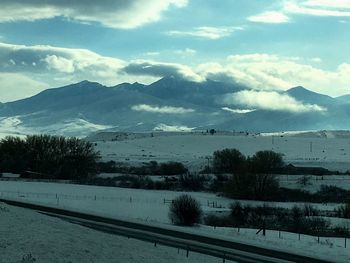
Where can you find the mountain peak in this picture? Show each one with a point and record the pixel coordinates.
(308, 96)
(86, 82)
(298, 89)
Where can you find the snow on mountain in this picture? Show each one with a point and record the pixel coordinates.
(80, 108)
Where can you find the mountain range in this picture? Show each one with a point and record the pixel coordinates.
(171, 103)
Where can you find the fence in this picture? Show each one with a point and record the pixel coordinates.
(18, 194)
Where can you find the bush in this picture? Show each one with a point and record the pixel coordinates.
(229, 161)
(218, 220)
(150, 168)
(344, 210)
(309, 210)
(241, 186)
(48, 156)
(185, 210)
(238, 214)
(265, 162)
(252, 186)
(218, 183)
(172, 168)
(192, 182)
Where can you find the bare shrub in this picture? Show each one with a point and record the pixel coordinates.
(185, 210)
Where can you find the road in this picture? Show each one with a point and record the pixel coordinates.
(226, 250)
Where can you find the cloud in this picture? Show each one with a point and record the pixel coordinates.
(172, 128)
(272, 17)
(60, 64)
(163, 109)
(239, 111)
(152, 53)
(336, 8)
(271, 100)
(328, 3)
(185, 52)
(15, 86)
(207, 32)
(47, 58)
(43, 66)
(160, 69)
(111, 13)
(273, 72)
(331, 8)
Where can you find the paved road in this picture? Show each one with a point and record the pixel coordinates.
(226, 250)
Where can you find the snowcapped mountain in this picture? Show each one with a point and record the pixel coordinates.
(81, 108)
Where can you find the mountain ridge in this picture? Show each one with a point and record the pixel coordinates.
(171, 101)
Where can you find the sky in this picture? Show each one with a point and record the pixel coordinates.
(267, 45)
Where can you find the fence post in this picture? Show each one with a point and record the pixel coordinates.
(279, 234)
(224, 258)
(299, 235)
(318, 239)
(345, 242)
(188, 251)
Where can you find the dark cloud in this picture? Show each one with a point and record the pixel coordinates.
(111, 13)
(157, 69)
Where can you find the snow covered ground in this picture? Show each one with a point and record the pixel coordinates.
(146, 206)
(24, 232)
(314, 182)
(123, 203)
(13, 126)
(324, 149)
(328, 149)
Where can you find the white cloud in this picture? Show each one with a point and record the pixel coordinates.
(336, 8)
(152, 53)
(271, 100)
(60, 64)
(14, 86)
(207, 32)
(163, 109)
(110, 13)
(161, 69)
(55, 66)
(72, 64)
(239, 111)
(41, 66)
(328, 3)
(172, 128)
(316, 60)
(185, 52)
(273, 72)
(272, 17)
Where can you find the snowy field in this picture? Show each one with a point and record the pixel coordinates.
(330, 150)
(146, 206)
(323, 149)
(24, 232)
(122, 203)
(314, 182)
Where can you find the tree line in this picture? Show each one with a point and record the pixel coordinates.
(46, 156)
(249, 177)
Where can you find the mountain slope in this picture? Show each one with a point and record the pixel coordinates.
(87, 106)
(307, 96)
